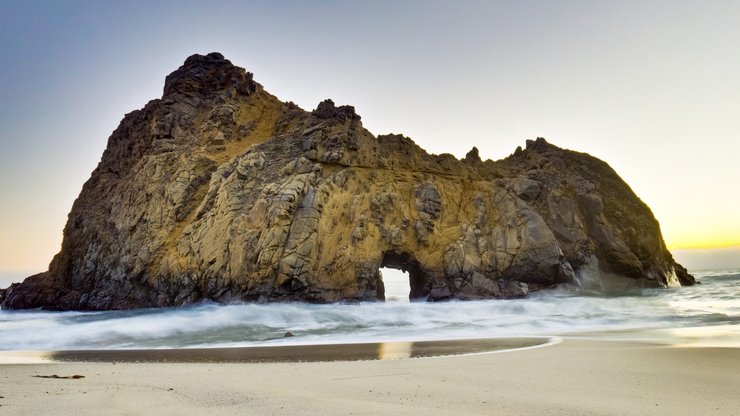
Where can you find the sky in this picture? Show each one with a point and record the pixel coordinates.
(650, 87)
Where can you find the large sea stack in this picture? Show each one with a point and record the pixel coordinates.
(220, 191)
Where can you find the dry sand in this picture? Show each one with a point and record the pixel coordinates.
(575, 377)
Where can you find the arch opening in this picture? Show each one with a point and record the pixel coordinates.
(409, 266)
(396, 285)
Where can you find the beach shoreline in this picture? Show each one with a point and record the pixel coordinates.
(359, 351)
(573, 377)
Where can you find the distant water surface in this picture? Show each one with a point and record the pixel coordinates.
(709, 311)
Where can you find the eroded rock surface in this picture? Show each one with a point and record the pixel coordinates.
(220, 191)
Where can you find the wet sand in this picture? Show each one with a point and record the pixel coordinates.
(301, 353)
(575, 377)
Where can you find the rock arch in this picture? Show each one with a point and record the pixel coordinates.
(220, 191)
(418, 279)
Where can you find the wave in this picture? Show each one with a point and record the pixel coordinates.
(715, 302)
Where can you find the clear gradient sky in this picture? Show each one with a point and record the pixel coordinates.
(652, 87)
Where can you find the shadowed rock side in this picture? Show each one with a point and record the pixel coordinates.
(220, 191)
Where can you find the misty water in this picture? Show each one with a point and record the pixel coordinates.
(708, 313)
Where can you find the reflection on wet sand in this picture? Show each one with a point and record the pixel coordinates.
(394, 350)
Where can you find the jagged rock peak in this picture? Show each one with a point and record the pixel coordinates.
(472, 156)
(327, 109)
(208, 74)
(539, 145)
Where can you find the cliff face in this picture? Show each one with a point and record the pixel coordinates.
(220, 191)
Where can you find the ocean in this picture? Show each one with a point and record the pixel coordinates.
(704, 314)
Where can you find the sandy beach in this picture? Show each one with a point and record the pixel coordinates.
(573, 377)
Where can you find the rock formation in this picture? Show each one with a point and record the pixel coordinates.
(220, 191)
